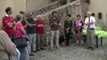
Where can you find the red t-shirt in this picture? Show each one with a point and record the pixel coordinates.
(8, 19)
(39, 30)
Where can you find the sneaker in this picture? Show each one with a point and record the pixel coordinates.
(31, 54)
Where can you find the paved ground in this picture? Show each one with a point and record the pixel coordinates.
(72, 53)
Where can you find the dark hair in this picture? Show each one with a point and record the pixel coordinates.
(79, 16)
(68, 15)
(8, 9)
(54, 12)
(22, 12)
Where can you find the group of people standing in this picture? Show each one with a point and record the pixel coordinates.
(25, 26)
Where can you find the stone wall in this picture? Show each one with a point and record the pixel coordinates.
(33, 5)
(46, 8)
(62, 11)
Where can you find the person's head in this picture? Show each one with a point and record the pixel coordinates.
(68, 16)
(29, 15)
(39, 17)
(89, 14)
(8, 10)
(19, 17)
(78, 17)
(22, 12)
(54, 13)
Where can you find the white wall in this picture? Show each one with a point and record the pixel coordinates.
(97, 6)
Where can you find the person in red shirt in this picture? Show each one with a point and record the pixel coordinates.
(8, 22)
(40, 32)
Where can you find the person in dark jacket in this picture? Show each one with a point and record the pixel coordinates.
(78, 25)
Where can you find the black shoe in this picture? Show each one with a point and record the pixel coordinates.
(31, 54)
(92, 48)
(89, 47)
(42, 48)
(38, 49)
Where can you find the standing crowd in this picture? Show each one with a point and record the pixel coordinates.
(23, 36)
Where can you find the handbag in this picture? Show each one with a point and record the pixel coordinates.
(20, 42)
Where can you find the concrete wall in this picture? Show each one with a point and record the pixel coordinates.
(33, 5)
(97, 6)
(17, 5)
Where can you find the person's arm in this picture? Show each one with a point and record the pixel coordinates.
(7, 43)
(29, 24)
(86, 22)
(92, 21)
(23, 30)
(89, 23)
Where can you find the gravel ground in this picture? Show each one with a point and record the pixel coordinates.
(72, 53)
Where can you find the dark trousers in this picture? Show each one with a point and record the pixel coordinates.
(67, 38)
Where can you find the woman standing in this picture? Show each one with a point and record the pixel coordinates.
(21, 33)
(78, 24)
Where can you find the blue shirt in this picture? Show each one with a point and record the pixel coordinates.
(31, 30)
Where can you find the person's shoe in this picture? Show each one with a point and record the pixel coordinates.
(42, 48)
(35, 51)
(51, 48)
(89, 47)
(38, 49)
(92, 48)
(31, 54)
(58, 47)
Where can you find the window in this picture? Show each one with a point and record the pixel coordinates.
(99, 15)
(87, 1)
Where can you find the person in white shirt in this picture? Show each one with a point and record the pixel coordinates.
(90, 23)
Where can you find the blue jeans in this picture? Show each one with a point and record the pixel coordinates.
(24, 53)
(17, 56)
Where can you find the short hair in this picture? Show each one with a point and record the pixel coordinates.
(79, 16)
(8, 9)
(54, 12)
(39, 16)
(68, 15)
(18, 17)
(22, 12)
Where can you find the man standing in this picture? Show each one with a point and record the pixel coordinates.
(31, 31)
(54, 22)
(90, 22)
(8, 22)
